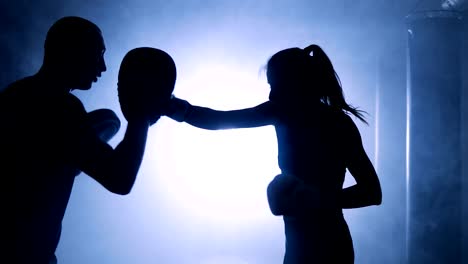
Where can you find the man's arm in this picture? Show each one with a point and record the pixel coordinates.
(115, 169)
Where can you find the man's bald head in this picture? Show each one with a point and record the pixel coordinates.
(74, 48)
(69, 36)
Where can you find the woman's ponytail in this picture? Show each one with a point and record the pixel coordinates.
(331, 92)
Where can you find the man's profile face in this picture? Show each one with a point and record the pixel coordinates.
(89, 63)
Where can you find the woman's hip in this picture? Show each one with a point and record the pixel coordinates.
(319, 240)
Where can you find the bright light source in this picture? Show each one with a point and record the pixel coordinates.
(219, 176)
(224, 260)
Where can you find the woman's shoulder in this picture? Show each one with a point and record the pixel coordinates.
(267, 107)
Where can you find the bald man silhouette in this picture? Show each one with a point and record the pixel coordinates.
(47, 138)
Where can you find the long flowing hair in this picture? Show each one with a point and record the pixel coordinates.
(312, 74)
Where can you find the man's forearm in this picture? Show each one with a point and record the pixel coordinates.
(128, 155)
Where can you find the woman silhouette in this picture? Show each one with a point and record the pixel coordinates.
(317, 142)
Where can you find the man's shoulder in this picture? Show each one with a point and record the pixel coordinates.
(17, 87)
(75, 103)
(15, 94)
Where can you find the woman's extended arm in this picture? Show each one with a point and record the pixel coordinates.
(206, 118)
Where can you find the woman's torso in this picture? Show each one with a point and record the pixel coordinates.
(311, 145)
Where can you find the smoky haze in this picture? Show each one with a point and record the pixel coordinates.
(366, 41)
